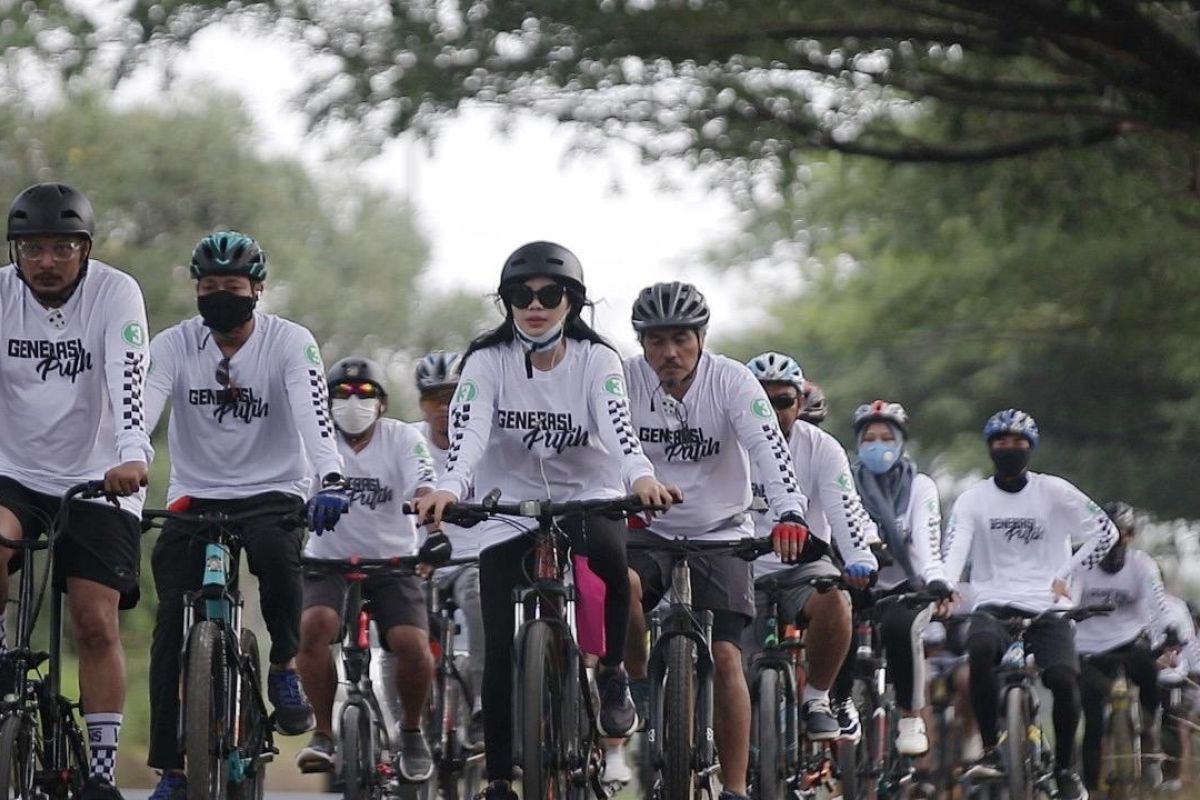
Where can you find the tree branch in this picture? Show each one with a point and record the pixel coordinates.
(930, 153)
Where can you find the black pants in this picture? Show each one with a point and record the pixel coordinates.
(505, 566)
(1052, 642)
(1096, 680)
(900, 629)
(273, 554)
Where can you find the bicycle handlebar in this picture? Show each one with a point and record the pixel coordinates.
(466, 515)
(910, 599)
(88, 490)
(747, 548)
(395, 565)
(1017, 625)
(154, 517)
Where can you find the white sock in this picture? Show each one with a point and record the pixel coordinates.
(813, 693)
(104, 732)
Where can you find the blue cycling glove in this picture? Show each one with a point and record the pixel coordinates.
(326, 508)
(860, 571)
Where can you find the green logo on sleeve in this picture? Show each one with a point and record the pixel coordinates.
(133, 333)
(313, 355)
(844, 482)
(761, 408)
(614, 385)
(420, 450)
(1092, 507)
(467, 391)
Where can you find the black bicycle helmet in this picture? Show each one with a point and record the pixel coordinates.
(356, 369)
(51, 209)
(229, 253)
(1121, 514)
(670, 305)
(546, 259)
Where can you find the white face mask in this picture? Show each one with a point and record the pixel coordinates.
(354, 414)
(544, 340)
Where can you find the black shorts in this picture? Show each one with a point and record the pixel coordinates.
(721, 583)
(1052, 640)
(101, 543)
(394, 600)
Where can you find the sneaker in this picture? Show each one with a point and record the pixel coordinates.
(1069, 785)
(293, 712)
(317, 755)
(171, 786)
(1152, 774)
(819, 721)
(639, 689)
(414, 762)
(847, 717)
(616, 768)
(910, 737)
(498, 790)
(99, 788)
(617, 714)
(988, 765)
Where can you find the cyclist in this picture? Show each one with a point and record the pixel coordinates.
(541, 411)
(1129, 580)
(904, 505)
(249, 425)
(1178, 679)
(703, 419)
(1016, 528)
(835, 509)
(437, 378)
(71, 379)
(386, 461)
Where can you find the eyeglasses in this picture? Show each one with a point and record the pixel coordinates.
(439, 397)
(60, 250)
(223, 377)
(782, 402)
(343, 391)
(676, 412)
(549, 296)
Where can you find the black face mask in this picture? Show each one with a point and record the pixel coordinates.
(1114, 559)
(1009, 462)
(224, 311)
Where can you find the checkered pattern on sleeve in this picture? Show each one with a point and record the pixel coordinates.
(320, 400)
(132, 412)
(618, 414)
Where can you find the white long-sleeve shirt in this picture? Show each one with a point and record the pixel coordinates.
(464, 541)
(1019, 543)
(705, 443)
(563, 433)
(921, 524)
(273, 434)
(835, 512)
(1138, 599)
(379, 479)
(71, 382)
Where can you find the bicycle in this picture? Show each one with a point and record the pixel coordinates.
(451, 700)
(1028, 763)
(225, 730)
(783, 763)
(873, 767)
(43, 753)
(555, 732)
(680, 758)
(948, 730)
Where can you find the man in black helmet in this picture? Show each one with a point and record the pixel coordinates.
(72, 368)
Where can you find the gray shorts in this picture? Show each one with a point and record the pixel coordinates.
(793, 595)
(395, 600)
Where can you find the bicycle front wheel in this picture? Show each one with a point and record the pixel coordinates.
(16, 758)
(770, 708)
(541, 733)
(358, 753)
(252, 725)
(1016, 746)
(679, 719)
(206, 713)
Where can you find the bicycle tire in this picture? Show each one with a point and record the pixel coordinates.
(1018, 769)
(541, 717)
(252, 724)
(679, 719)
(770, 769)
(17, 759)
(855, 771)
(358, 757)
(1121, 752)
(206, 707)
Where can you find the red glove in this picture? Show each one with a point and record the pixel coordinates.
(789, 538)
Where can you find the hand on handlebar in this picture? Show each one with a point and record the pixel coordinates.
(1060, 590)
(859, 575)
(430, 507)
(655, 494)
(125, 479)
(788, 537)
(325, 509)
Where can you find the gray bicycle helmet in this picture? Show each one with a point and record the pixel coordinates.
(356, 369)
(773, 367)
(670, 305)
(437, 370)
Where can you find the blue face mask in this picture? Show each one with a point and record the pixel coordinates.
(879, 457)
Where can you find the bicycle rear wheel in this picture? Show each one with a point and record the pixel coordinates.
(1019, 766)
(252, 725)
(206, 712)
(770, 730)
(16, 757)
(543, 774)
(358, 754)
(1122, 755)
(679, 719)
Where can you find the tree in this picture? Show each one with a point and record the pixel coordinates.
(750, 83)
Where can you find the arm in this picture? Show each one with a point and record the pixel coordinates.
(308, 397)
(960, 531)
(852, 527)
(470, 424)
(926, 530)
(420, 476)
(160, 378)
(609, 404)
(1099, 534)
(758, 431)
(125, 371)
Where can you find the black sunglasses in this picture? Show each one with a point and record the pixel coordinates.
(782, 402)
(223, 373)
(549, 296)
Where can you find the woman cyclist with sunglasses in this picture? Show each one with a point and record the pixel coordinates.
(540, 411)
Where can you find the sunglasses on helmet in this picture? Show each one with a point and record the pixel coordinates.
(344, 391)
(521, 296)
